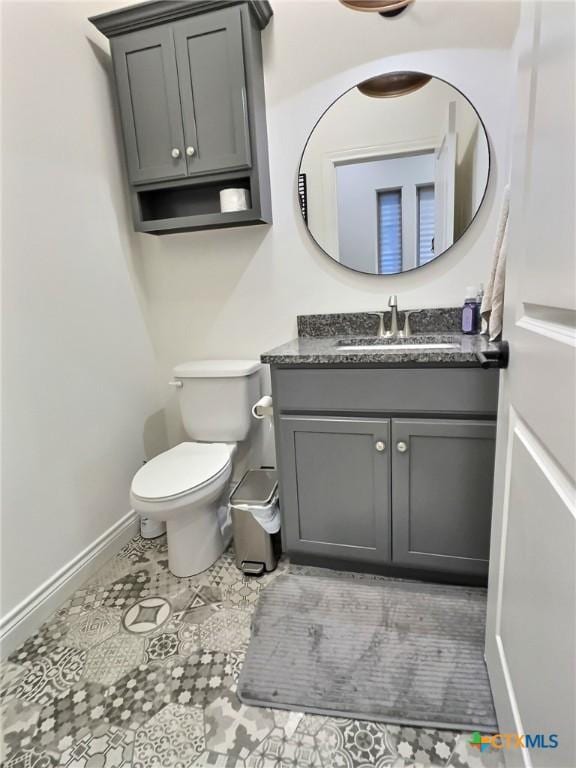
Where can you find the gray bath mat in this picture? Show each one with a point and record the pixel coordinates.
(387, 650)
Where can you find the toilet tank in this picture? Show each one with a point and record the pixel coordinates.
(216, 398)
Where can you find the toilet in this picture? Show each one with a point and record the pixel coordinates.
(186, 485)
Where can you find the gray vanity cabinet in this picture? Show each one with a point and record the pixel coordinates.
(389, 468)
(335, 478)
(149, 99)
(213, 91)
(442, 493)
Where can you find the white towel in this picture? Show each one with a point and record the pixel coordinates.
(493, 302)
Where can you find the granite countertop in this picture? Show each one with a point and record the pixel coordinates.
(321, 339)
(327, 350)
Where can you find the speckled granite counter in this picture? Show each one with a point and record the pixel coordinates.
(436, 320)
(330, 350)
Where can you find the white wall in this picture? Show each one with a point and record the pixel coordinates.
(78, 363)
(96, 317)
(237, 292)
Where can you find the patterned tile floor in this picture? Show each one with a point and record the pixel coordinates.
(139, 668)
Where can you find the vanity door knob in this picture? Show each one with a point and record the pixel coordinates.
(380, 446)
(401, 447)
(175, 153)
(190, 151)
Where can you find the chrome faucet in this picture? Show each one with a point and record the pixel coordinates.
(393, 332)
(393, 304)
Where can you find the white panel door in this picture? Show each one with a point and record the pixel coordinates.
(445, 184)
(531, 637)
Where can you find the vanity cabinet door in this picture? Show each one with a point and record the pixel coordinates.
(442, 494)
(210, 58)
(335, 475)
(149, 100)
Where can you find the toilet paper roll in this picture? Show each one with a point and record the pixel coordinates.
(263, 408)
(234, 200)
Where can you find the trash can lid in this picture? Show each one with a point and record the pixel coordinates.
(258, 486)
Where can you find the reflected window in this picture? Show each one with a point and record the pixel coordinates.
(426, 223)
(389, 231)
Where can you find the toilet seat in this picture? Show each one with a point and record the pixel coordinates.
(181, 470)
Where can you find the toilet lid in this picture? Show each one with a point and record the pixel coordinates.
(186, 467)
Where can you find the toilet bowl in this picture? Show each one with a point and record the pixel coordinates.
(185, 487)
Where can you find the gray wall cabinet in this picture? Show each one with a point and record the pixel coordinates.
(191, 103)
(387, 474)
(210, 61)
(149, 98)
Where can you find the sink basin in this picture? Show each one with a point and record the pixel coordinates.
(405, 344)
(395, 346)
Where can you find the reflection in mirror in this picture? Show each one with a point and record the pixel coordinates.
(393, 173)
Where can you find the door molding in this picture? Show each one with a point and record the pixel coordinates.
(330, 162)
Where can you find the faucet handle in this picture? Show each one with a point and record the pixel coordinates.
(393, 301)
(380, 315)
(407, 328)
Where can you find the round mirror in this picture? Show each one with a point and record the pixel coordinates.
(393, 173)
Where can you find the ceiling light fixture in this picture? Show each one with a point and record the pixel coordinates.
(393, 84)
(386, 8)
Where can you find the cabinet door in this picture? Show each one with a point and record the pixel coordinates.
(147, 80)
(442, 494)
(335, 476)
(210, 58)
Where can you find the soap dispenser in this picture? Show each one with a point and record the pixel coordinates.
(470, 311)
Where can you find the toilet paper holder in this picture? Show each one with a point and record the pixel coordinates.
(263, 408)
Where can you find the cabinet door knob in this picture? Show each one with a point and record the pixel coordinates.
(380, 446)
(402, 447)
(190, 151)
(175, 153)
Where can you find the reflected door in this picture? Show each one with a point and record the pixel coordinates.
(445, 175)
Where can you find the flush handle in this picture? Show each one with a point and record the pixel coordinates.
(401, 447)
(176, 383)
(380, 446)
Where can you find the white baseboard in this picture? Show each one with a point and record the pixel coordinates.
(26, 618)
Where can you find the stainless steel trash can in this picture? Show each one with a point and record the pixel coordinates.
(256, 550)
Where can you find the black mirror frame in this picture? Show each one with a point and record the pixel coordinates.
(464, 232)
